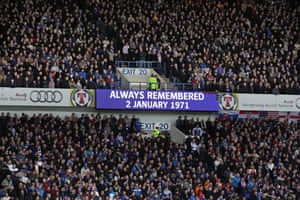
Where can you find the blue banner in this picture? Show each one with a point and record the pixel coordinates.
(156, 100)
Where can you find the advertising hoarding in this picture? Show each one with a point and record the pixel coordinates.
(47, 97)
(34, 97)
(258, 102)
(82, 98)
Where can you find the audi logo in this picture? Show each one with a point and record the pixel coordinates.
(44, 96)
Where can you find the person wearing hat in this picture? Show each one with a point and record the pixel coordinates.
(7, 183)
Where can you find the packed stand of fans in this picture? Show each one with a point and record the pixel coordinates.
(228, 46)
(250, 158)
(105, 157)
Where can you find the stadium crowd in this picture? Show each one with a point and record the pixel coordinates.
(227, 46)
(105, 157)
(242, 46)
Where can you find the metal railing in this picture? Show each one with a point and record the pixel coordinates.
(162, 86)
(138, 63)
(157, 66)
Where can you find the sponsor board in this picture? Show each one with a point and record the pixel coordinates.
(228, 101)
(156, 100)
(82, 98)
(34, 97)
(259, 102)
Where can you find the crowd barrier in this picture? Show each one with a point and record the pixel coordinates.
(140, 64)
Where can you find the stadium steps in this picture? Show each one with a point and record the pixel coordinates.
(177, 136)
(166, 84)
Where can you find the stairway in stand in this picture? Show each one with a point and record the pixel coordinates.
(165, 83)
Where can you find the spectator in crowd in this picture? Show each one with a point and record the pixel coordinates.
(7, 184)
(197, 131)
